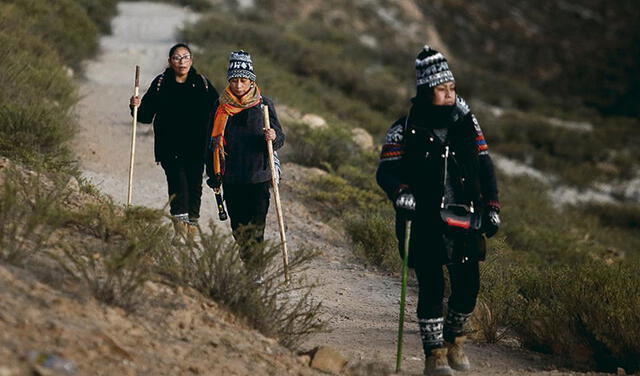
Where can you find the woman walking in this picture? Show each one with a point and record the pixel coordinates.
(436, 158)
(179, 102)
(238, 159)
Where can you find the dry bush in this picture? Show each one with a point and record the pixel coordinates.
(498, 300)
(117, 259)
(28, 213)
(255, 292)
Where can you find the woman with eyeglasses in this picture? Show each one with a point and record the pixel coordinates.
(178, 102)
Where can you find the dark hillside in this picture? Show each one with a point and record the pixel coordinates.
(587, 49)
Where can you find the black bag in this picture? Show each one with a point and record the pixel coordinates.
(460, 218)
(457, 218)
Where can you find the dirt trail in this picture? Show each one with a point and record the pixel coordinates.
(360, 305)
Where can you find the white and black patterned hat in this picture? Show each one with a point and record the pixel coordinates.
(432, 68)
(240, 65)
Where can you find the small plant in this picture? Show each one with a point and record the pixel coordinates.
(28, 215)
(254, 290)
(118, 260)
(498, 299)
(374, 239)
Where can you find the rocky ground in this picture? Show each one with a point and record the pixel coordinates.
(177, 331)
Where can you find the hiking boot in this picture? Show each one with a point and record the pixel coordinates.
(458, 360)
(192, 231)
(436, 364)
(181, 231)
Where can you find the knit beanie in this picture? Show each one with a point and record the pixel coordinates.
(432, 68)
(240, 65)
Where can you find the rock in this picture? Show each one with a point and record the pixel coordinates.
(314, 121)
(5, 371)
(304, 359)
(327, 359)
(362, 138)
(4, 163)
(368, 41)
(73, 185)
(621, 371)
(288, 113)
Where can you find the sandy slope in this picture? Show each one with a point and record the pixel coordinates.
(360, 305)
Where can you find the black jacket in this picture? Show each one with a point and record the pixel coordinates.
(246, 160)
(412, 159)
(179, 112)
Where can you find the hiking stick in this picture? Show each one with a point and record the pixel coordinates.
(403, 292)
(133, 135)
(276, 193)
(222, 214)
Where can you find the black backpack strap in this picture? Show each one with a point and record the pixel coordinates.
(205, 82)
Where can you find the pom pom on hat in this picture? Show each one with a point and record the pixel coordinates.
(240, 65)
(432, 68)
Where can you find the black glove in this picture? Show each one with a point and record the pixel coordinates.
(406, 204)
(492, 221)
(214, 183)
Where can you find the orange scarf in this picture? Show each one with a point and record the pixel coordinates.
(229, 106)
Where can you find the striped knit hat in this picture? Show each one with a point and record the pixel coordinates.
(432, 68)
(240, 65)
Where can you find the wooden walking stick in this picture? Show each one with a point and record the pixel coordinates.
(133, 135)
(276, 193)
(403, 293)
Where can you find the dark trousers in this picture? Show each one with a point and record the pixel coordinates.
(247, 205)
(184, 180)
(465, 285)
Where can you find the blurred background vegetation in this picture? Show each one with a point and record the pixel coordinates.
(555, 86)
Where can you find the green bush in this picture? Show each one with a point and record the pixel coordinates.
(63, 24)
(100, 11)
(37, 95)
(328, 148)
(36, 135)
(373, 236)
(304, 88)
(589, 313)
(336, 196)
(498, 301)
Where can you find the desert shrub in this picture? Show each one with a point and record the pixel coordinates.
(100, 11)
(273, 60)
(498, 300)
(63, 24)
(328, 148)
(373, 236)
(336, 196)
(198, 5)
(37, 95)
(29, 212)
(588, 313)
(117, 259)
(35, 135)
(254, 292)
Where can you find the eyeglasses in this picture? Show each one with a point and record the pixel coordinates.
(178, 58)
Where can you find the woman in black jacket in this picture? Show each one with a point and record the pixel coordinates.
(237, 158)
(179, 102)
(440, 127)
